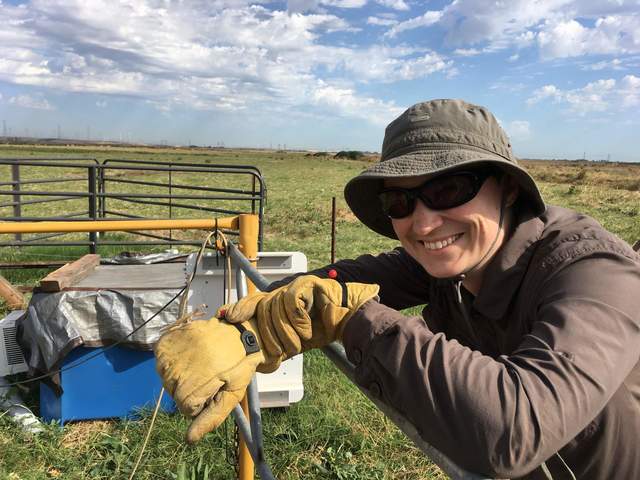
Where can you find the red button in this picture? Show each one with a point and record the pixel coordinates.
(333, 273)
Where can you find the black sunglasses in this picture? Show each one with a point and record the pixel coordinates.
(440, 193)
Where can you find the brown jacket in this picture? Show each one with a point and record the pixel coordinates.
(541, 366)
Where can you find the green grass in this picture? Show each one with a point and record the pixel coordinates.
(334, 432)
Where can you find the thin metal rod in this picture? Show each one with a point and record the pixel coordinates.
(241, 420)
(17, 207)
(215, 165)
(255, 418)
(241, 261)
(48, 180)
(333, 229)
(33, 202)
(245, 429)
(335, 353)
(179, 186)
(176, 205)
(118, 225)
(122, 195)
(253, 397)
(93, 207)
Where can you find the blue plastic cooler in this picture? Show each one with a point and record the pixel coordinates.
(117, 383)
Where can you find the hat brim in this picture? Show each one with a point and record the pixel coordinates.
(361, 192)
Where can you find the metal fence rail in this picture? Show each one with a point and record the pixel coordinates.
(336, 354)
(80, 188)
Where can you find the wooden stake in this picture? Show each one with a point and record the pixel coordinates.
(11, 295)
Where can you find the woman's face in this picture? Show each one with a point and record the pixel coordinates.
(450, 242)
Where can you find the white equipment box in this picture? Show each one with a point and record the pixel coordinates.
(284, 386)
(11, 359)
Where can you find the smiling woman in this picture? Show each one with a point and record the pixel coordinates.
(523, 365)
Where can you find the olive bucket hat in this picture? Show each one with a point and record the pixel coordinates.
(432, 138)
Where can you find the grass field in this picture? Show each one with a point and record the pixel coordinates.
(334, 433)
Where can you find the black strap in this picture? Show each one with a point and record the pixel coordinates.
(248, 339)
(345, 294)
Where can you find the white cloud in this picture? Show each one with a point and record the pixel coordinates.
(300, 6)
(385, 64)
(467, 52)
(101, 103)
(350, 104)
(394, 4)
(27, 101)
(518, 130)
(427, 19)
(630, 91)
(478, 21)
(615, 64)
(384, 22)
(600, 96)
(559, 28)
(514, 57)
(218, 55)
(548, 91)
(344, 3)
(613, 35)
(506, 86)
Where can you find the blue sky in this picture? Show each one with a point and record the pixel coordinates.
(562, 76)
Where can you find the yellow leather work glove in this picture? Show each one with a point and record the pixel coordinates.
(206, 368)
(309, 312)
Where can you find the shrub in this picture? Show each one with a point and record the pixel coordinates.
(349, 154)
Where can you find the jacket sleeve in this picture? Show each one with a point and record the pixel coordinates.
(503, 417)
(403, 282)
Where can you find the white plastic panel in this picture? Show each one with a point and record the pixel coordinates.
(284, 386)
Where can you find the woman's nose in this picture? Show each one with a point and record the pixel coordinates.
(424, 219)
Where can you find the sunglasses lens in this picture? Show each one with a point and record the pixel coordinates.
(396, 203)
(449, 191)
(441, 193)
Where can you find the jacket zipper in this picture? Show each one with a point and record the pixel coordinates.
(465, 314)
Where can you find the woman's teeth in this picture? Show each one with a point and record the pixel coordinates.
(441, 243)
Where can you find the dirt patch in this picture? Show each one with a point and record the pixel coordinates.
(78, 435)
(346, 215)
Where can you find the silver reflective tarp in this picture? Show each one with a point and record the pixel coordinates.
(102, 309)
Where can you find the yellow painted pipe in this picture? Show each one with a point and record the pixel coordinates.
(248, 245)
(53, 226)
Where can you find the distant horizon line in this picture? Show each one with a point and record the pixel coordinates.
(61, 142)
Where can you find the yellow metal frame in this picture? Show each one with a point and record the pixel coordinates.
(246, 224)
(231, 223)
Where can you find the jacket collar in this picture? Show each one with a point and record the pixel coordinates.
(506, 270)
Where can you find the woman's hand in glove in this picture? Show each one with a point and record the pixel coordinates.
(307, 313)
(206, 367)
